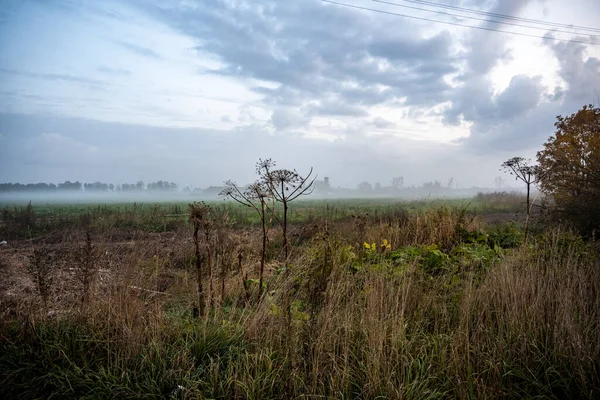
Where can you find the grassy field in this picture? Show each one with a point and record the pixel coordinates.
(167, 215)
(377, 299)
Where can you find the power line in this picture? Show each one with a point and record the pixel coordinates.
(503, 16)
(457, 24)
(475, 18)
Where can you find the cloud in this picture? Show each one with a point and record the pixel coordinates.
(382, 123)
(313, 52)
(486, 48)
(338, 108)
(287, 117)
(114, 71)
(523, 133)
(476, 102)
(581, 75)
(52, 77)
(522, 116)
(522, 95)
(56, 149)
(419, 49)
(140, 50)
(60, 151)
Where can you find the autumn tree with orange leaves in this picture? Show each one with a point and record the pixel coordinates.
(569, 168)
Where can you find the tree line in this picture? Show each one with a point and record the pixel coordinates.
(322, 187)
(93, 187)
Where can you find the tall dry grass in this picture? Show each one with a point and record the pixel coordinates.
(362, 325)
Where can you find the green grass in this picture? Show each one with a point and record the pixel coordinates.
(16, 221)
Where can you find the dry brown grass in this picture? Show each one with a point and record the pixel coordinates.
(361, 327)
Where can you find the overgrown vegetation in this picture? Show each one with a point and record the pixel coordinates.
(384, 302)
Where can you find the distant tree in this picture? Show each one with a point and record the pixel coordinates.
(162, 186)
(322, 187)
(450, 182)
(524, 171)
(377, 187)
(398, 182)
(30, 187)
(432, 187)
(499, 182)
(95, 187)
(10, 187)
(68, 185)
(569, 168)
(364, 187)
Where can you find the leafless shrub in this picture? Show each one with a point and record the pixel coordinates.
(243, 275)
(86, 265)
(285, 186)
(200, 219)
(41, 267)
(529, 174)
(259, 197)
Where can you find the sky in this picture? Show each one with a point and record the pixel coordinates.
(196, 91)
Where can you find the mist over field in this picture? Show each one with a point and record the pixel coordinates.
(79, 197)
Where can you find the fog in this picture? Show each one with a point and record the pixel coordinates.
(210, 195)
